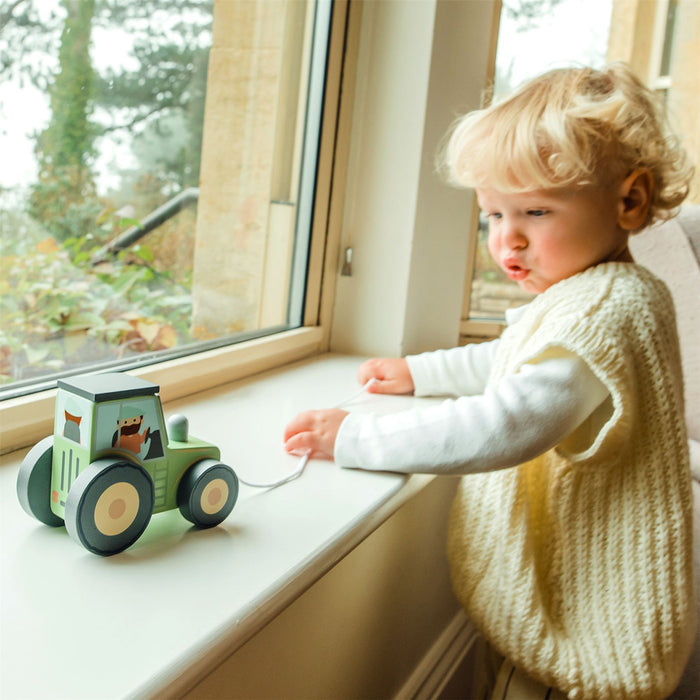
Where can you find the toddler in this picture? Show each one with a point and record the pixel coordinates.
(570, 539)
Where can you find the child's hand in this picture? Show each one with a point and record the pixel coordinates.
(315, 431)
(391, 374)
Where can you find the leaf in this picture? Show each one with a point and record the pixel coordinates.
(166, 338)
(123, 283)
(47, 246)
(83, 321)
(81, 258)
(144, 253)
(35, 355)
(148, 331)
(125, 222)
(104, 215)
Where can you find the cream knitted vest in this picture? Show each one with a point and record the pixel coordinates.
(577, 565)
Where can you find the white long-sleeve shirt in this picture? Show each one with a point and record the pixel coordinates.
(486, 427)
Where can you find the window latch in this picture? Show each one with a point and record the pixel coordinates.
(346, 270)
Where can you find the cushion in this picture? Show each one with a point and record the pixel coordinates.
(666, 249)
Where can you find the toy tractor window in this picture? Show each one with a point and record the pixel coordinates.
(133, 425)
(73, 418)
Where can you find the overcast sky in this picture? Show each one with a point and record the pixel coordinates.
(577, 30)
(24, 110)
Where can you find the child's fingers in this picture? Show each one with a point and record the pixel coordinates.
(299, 444)
(298, 435)
(391, 376)
(383, 386)
(314, 430)
(306, 421)
(300, 423)
(307, 443)
(371, 369)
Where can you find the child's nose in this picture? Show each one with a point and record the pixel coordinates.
(512, 235)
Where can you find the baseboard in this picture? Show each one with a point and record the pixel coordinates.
(442, 659)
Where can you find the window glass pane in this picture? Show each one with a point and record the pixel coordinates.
(157, 177)
(534, 36)
(669, 35)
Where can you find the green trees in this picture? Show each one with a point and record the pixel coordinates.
(144, 102)
(147, 106)
(64, 197)
(162, 96)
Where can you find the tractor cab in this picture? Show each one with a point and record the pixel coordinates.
(105, 414)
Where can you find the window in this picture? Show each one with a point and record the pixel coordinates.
(158, 196)
(662, 49)
(534, 36)
(658, 39)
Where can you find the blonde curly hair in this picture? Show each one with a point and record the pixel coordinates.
(571, 127)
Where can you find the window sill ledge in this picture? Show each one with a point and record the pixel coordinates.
(25, 420)
(162, 614)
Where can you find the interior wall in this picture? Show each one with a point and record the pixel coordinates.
(420, 65)
(360, 631)
(460, 59)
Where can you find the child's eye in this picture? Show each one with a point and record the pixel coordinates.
(537, 212)
(493, 215)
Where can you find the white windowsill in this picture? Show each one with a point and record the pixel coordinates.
(26, 419)
(164, 613)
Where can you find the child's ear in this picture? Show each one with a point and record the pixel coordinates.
(635, 199)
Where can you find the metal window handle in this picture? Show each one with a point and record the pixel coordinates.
(346, 270)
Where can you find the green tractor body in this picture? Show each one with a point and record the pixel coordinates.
(113, 461)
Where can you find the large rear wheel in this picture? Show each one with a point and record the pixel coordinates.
(34, 483)
(109, 506)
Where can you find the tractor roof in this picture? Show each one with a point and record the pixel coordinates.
(108, 387)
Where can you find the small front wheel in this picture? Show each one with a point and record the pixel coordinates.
(109, 506)
(207, 493)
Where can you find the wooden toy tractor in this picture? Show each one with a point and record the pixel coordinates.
(110, 464)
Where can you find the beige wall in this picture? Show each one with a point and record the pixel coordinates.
(684, 95)
(636, 32)
(420, 65)
(359, 631)
(246, 208)
(409, 230)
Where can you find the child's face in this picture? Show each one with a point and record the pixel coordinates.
(542, 237)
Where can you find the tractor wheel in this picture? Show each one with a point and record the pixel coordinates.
(34, 483)
(109, 506)
(207, 493)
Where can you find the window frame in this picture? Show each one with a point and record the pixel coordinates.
(26, 419)
(480, 330)
(658, 79)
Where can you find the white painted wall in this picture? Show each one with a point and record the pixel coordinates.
(361, 630)
(421, 64)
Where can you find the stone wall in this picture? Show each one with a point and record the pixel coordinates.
(249, 107)
(636, 35)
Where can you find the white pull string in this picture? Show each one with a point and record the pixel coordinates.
(273, 484)
(305, 457)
